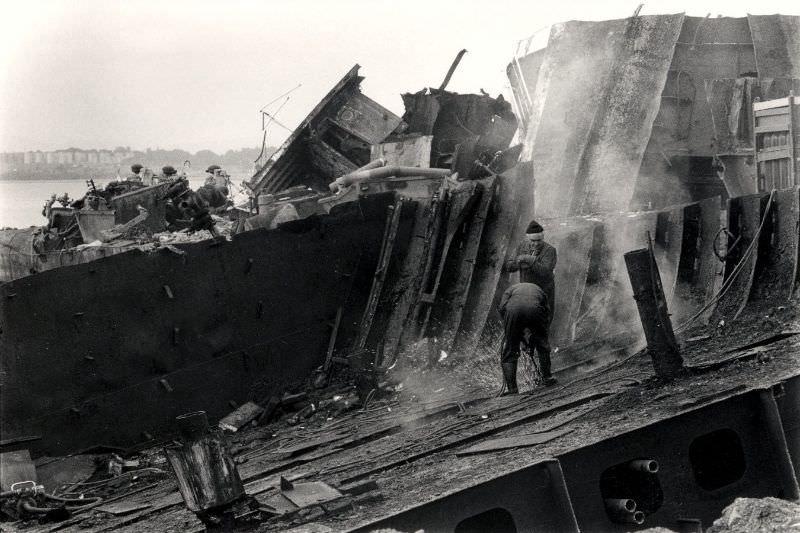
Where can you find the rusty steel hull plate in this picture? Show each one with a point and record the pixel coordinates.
(777, 277)
(573, 242)
(744, 218)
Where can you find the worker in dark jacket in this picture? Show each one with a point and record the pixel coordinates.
(536, 262)
(135, 174)
(168, 173)
(526, 313)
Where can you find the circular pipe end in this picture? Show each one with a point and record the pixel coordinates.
(630, 505)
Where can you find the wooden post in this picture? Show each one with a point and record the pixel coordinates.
(204, 469)
(649, 296)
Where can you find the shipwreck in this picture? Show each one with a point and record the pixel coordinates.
(370, 272)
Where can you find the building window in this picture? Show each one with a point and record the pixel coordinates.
(497, 520)
(717, 459)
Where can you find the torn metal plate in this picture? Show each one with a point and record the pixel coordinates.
(305, 494)
(520, 441)
(16, 467)
(278, 504)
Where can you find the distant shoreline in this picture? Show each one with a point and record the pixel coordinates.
(52, 179)
(235, 175)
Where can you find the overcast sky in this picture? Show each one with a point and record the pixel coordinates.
(193, 74)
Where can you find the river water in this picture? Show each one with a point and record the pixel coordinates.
(21, 202)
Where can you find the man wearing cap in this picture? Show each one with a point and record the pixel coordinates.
(136, 168)
(536, 261)
(526, 317)
(168, 172)
(214, 192)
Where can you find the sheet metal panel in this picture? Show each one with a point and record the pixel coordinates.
(777, 277)
(622, 125)
(534, 499)
(410, 152)
(668, 243)
(18, 259)
(776, 39)
(125, 206)
(708, 269)
(76, 334)
(456, 293)
(598, 90)
(367, 119)
(744, 217)
(573, 241)
(577, 64)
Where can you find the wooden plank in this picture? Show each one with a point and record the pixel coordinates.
(770, 104)
(520, 441)
(778, 126)
(770, 112)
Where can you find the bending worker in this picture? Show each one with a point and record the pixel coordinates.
(526, 313)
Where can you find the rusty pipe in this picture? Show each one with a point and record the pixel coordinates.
(620, 505)
(623, 510)
(386, 172)
(378, 163)
(634, 518)
(648, 466)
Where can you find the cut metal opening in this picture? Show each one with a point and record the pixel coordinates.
(717, 459)
(497, 520)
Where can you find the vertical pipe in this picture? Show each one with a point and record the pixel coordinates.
(780, 449)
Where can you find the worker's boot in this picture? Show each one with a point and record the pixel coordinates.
(544, 364)
(510, 377)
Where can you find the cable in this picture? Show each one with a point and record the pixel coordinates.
(739, 267)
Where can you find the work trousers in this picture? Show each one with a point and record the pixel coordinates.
(515, 322)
